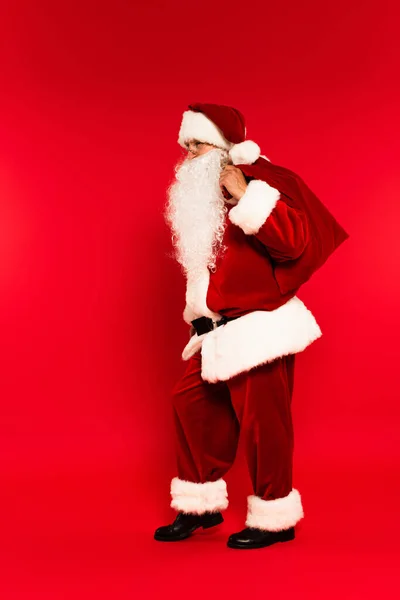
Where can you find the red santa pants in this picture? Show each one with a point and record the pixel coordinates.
(208, 418)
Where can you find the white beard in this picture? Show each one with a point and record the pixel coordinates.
(196, 211)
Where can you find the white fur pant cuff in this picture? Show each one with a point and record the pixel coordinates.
(198, 498)
(274, 515)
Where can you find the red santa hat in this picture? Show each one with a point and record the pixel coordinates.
(220, 125)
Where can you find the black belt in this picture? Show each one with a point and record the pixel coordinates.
(205, 324)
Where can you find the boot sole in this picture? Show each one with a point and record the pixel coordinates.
(238, 546)
(172, 539)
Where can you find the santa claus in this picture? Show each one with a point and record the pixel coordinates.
(247, 234)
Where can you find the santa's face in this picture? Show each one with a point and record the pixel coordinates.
(196, 210)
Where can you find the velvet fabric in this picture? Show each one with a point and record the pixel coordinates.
(276, 237)
(324, 233)
(209, 416)
(244, 280)
(264, 270)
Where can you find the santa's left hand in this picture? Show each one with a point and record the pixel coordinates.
(233, 180)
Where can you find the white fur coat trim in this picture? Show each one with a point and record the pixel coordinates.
(255, 206)
(254, 339)
(274, 515)
(196, 294)
(198, 498)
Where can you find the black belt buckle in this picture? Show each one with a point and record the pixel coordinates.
(205, 324)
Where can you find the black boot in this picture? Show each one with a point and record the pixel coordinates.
(185, 524)
(257, 538)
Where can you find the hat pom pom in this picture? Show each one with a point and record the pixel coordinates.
(245, 153)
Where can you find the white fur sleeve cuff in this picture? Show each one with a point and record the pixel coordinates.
(255, 206)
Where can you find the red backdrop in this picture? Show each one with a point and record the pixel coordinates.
(90, 302)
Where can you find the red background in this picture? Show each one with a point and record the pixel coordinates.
(90, 303)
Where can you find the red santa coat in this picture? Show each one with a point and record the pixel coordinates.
(276, 237)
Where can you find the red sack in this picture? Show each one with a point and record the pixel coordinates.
(325, 232)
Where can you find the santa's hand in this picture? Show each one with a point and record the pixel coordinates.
(233, 180)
